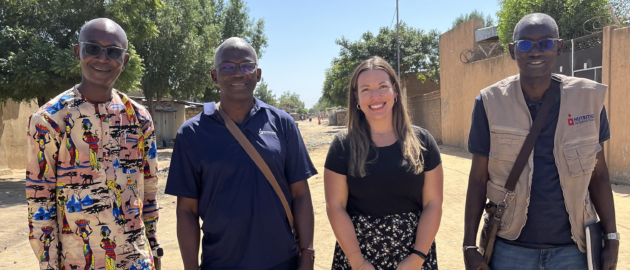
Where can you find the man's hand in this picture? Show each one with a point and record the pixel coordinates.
(610, 254)
(413, 262)
(157, 263)
(307, 261)
(474, 260)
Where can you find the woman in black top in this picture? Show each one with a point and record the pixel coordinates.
(383, 179)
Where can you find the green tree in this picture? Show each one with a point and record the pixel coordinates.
(264, 94)
(178, 61)
(321, 105)
(418, 57)
(488, 20)
(233, 20)
(36, 37)
(289, 100)
(571, 15)
(620, 12)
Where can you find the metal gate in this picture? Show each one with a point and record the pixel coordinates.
(582, 57)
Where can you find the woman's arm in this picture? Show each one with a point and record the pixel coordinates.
(432, 195)
(336, 189)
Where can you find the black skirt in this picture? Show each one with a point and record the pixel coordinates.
(385, 241)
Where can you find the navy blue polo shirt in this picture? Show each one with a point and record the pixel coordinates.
(244, 223)
(547, 223)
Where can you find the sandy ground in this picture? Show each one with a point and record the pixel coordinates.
(16, 253)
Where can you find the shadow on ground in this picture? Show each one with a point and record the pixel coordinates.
(12, 192)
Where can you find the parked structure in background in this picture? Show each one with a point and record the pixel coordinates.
(603, 57)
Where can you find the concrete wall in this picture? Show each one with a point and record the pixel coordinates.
(460, 83)
(425, 111)
(14, 119)
(415, 87)
(615, 72)
(192, 112)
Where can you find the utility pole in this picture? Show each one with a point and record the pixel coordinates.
(397, 40)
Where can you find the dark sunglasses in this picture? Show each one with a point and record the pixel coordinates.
(112, 52)
(230, 68)
(543, 44)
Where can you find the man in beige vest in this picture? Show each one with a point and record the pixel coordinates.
(564, 186)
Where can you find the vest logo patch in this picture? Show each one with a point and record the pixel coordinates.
(581, 119)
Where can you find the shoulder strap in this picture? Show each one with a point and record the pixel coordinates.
(530, 140)
(255, 156)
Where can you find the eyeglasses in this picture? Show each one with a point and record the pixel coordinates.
(112, 52)
(230, 68)
(543, 44)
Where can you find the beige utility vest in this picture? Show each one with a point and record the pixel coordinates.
(576, 144)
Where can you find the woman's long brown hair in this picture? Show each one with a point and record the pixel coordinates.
(359, 136)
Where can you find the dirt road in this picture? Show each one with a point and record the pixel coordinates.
(16, 252)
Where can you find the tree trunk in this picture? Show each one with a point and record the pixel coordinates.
(41, 101)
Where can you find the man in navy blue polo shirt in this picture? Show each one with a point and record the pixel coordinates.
(244, 223)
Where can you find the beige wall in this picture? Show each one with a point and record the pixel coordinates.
(460, 83)
(414, 86)
(616, 74)
(13, 133)
(425, 113)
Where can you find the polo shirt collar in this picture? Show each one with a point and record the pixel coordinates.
(210, 109)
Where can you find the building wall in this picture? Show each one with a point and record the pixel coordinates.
(14, 119)
(615, 71)
(192, 112)
(425, 111)
(168, 123)
(460, 83)
(415, 87)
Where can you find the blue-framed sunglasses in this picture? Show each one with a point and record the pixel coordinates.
(543, 44)
(93, 49)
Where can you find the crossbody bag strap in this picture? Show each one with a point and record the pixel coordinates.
(534, 132)
(255, 156)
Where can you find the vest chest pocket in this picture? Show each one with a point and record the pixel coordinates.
(581, 155)
(506, 142)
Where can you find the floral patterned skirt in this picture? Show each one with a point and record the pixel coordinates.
(385, 241)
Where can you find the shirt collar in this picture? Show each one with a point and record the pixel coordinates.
(210, 108)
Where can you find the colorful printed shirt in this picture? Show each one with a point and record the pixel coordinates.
(91, 184)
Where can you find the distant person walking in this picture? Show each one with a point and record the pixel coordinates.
(383, 179)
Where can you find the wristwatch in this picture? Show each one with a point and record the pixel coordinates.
(469, 247)
(158, 252)
(612, 236)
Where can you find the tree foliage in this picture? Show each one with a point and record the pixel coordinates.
(418, 57)
(36, 37)
(289, 100)
(570, 15)
(178, 61)
(233, 20)
(488, 20)
(620, 12)
(264, 94)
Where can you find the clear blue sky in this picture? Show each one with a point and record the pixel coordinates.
(302, 34)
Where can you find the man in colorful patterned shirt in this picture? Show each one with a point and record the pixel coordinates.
(91, 181)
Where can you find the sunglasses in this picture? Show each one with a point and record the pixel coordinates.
(543, 44)
(230, 68)
(112, 52)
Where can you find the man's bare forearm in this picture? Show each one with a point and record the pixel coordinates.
(475, 202)
(602, 195)
(304, 219)
(188, 237)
